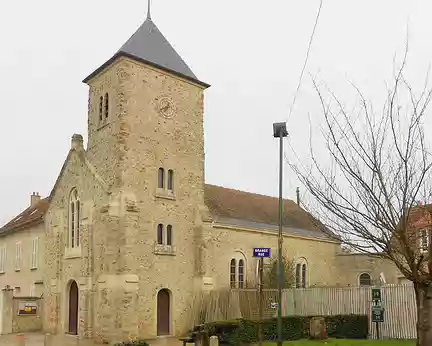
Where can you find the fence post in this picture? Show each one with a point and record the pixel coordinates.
(47, 341)
(7, 310)
(214, 341)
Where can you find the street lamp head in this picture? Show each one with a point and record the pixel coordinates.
(280, 130)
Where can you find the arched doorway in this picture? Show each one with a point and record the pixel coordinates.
(163, 313)
(73, 308)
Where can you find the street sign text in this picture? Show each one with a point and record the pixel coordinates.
(261, 252)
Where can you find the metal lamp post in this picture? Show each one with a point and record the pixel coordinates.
(280, 131)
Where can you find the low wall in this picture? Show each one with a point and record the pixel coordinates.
(27, 314)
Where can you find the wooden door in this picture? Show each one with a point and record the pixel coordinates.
(73, 308)
(163, 313)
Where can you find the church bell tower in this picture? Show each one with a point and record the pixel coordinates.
(146, 140)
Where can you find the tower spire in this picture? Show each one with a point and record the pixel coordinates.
(148, 9)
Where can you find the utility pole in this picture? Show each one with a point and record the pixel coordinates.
(260, 253)
(260, 297)
(280, 131)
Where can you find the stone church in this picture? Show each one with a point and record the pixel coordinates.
(131, 232)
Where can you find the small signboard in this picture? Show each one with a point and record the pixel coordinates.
(274, 305)
(261, 252)
(377, 314)
(376, 294)
(27, 308)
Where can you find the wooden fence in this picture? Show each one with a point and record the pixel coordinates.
(400, 312)
(398, 301)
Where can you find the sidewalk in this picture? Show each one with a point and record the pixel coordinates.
(38, 339)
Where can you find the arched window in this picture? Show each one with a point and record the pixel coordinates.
(74, 219)
(161, 178)
(169, 235)
(238, 270)
(170, 180)
(365, 280)
(233, 273)
(241, 274)
(160, 233)
(100, 108)
(106, 105)
(304, 275)
(301, 273)
(298, 275)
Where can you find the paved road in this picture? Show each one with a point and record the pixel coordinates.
(38, 339)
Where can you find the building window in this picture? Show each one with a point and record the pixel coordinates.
(365, 280)
(32, 292)
(233, 273)
(100, 108)
(35, 253)
(298, 275)
(161, 178)
(74, 219)
(424, 240)
(241, 274)
(304, 275)
(106, 105)
(301, 274)
(160, 234)
(169, 235)
(238, 271)
(18, 256)
(170, 180)
(2, 259)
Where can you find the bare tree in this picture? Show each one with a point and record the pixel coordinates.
(367, 190)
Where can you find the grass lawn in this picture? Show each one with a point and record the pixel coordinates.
(336, 342)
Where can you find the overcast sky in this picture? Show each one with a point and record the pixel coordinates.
(250, 51)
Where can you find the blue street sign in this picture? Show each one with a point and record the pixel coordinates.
(261, 252)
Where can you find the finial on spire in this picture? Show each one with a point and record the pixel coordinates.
(148, 9)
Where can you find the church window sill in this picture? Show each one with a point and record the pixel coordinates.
(162, 249)
(103, 125)
(72, 253)
(165, 194)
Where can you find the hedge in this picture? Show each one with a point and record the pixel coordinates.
(244, 331)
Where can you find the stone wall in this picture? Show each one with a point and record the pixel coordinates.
(29, 323)
(64, 264)
(351, 266)
(225, 243)
(13, 310)
(151, 140)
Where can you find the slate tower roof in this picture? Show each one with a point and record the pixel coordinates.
(149, 46)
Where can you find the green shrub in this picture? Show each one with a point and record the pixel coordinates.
(243, 331)
(133, 343)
